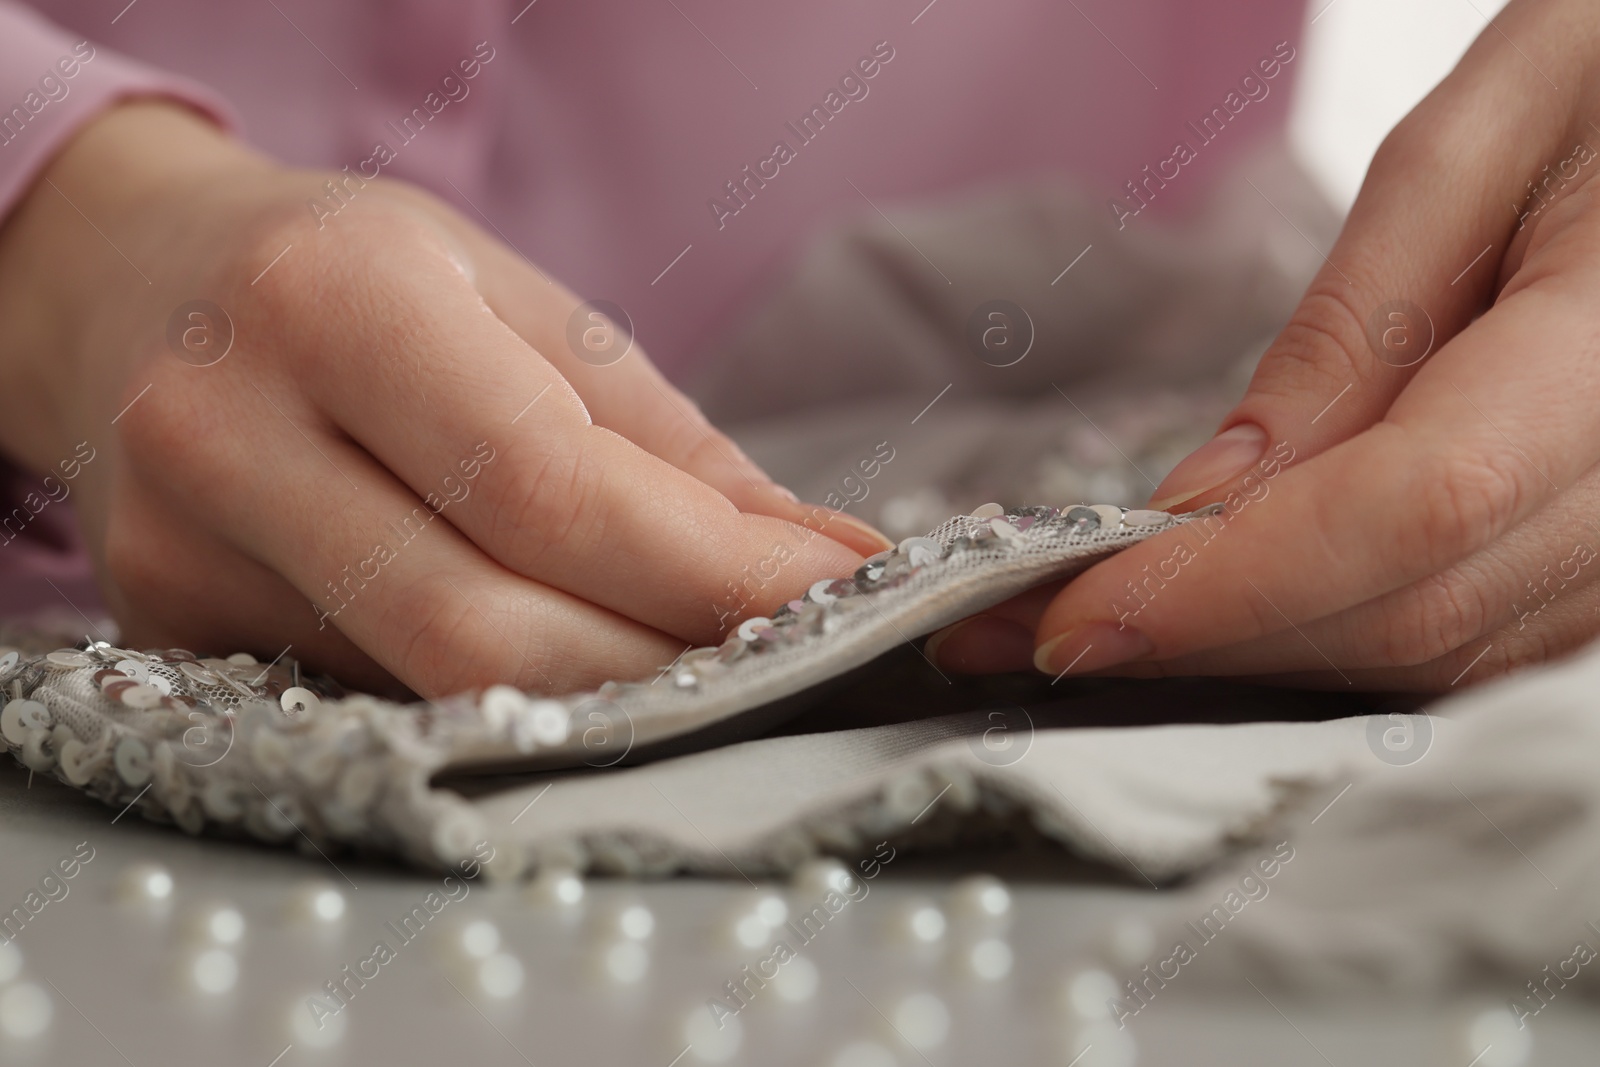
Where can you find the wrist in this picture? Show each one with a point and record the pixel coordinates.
(95, 231)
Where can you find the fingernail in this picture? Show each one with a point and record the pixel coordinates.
(1090, 647)
(785, 492)
(1219, 460)
(853, 533)
(982, 644)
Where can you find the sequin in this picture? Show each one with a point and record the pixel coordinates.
(68, 659)
(923, 922)
(988, 511)
(1141, 517)
(981, 896)
(140, 696)
(271, 752)
(549, 721)
(19, 718)
(25, 1010)
(358, 786)
(921, 551)
(625, 962)
(115, 687)
(922, 1020)
(990, 959)
(500, 975)
(9, 661)
(317, 767)
(243, 659)
(297, 702)
(557, 885)
(170, 783)
(35, 756)
(1004, 530)
(196, 673)
(1084, 519)
(132, 760)
(1110, 515)
(223, 800)
(819, 593)
(455, 833)
(873, 568)
(748, 628)
(699, 658)
(80, 763)
(500, 705)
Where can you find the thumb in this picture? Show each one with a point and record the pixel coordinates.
(1417, 260)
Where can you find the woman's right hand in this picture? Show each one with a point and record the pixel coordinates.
(377, 445)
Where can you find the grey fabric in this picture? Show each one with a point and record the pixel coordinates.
(1470, 858)
(1155, 802)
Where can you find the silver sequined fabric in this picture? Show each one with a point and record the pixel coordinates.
(235, 747)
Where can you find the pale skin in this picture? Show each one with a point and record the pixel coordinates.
(1397, 550)
(382, 352)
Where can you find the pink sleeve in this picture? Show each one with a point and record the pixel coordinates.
(52, 82)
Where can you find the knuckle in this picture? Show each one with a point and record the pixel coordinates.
(1511, 651)
(1426, 143)
(703, 452)
(1464, 501)
(1435, 617)
(157, 433)
(545, 501)
(451, 640)
(440, 648)
(1325, 338)
(297, 295)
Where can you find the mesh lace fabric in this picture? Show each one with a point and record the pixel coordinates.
(227, 745)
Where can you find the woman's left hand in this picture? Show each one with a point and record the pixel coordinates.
(1412, 484)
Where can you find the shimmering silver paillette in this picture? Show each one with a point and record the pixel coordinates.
(229, 744)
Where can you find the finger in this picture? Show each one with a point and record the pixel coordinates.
(1418, 256)
(170, 584)
(421, 600)
(541, 490)
(625, 392)
(1505, 586)
(1512, 579)
(1564, 628)
(1441, 478)
(434, 611)
(995, 641)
